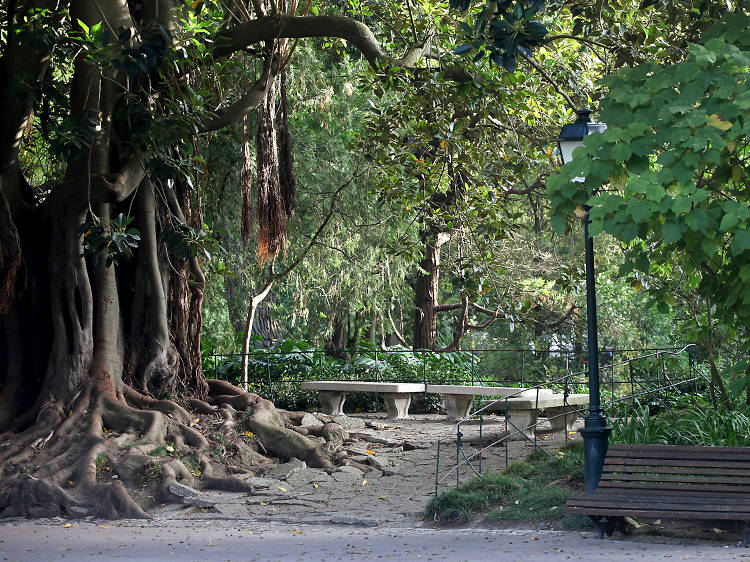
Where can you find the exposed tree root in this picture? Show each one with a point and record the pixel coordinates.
(116, 454)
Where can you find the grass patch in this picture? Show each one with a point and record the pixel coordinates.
(536, 488)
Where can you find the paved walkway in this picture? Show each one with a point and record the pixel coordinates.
(222, 540)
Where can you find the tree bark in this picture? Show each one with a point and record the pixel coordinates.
(426, 291)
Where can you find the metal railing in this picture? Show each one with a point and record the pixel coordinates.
(648, 373)
(488, 366)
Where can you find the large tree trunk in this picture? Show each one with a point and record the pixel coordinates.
(91, 344)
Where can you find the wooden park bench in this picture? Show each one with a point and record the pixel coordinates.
(669, 482)
(396, 395)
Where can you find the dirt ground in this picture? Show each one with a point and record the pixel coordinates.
(401, 458)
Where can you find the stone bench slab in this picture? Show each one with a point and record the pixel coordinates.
(396, 395)
(524, 412)
(457, 399)
(362, 386)
(481, 390)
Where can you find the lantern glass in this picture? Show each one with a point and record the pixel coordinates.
(567, 147)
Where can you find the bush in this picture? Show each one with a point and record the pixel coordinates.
(536, 488)
(698, 425)
(275, 373)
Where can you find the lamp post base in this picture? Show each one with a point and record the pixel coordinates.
(595, 435)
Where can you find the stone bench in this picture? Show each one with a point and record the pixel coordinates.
(457, 399)
(397, 395)
(523, 412)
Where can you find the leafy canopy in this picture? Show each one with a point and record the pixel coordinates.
(671, 171)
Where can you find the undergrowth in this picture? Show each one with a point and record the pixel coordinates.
(699, 426)
(536, 488)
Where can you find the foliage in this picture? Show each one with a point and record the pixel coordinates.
(699, 425)
(675, 159)
(276, 372)
(533, 489)
(510, 30)
(636, 425)
(109, 241)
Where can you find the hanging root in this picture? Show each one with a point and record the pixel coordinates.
(116, 455)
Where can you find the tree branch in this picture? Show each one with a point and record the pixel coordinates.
(118, 187)
(247, 103)
(551, 80)
(551, 38)
(297, 27)
(398, 335)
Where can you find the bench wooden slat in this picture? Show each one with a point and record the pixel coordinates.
(682, 462)
(610, 511)
(659, 486)
(669, 449)
(676, 492)
(651, 502)
(675, 470)
(709, 453)
(684, 478)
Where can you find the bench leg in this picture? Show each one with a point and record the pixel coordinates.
(524, 421)
(397, 405)
(745, 535)
(457, 406)
(562, 418)
(332, 402)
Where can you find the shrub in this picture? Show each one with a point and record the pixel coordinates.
(276, 373)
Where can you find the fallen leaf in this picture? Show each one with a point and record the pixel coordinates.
(249, 434)
(196, 420)
(370, 452)
(718, 531)
(68, 525)
(364, 482)
(263, 503)
(104, 526)
(382, 497)
(169, 448)
(298, 532)
(315, 486)
(282, 489)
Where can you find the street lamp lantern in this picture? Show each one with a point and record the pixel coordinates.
(595, 431)
(572, 135)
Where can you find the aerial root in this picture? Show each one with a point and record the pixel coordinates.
(117, 453)
(167, 407)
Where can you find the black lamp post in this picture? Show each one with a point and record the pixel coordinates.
(595, 431)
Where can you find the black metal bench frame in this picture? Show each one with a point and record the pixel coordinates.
(671, 482)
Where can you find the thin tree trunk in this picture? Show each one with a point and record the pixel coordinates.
(254, 302)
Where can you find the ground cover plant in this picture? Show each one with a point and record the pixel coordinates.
(699, 425)
(532, 489)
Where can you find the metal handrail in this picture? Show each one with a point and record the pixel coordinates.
(479, 414)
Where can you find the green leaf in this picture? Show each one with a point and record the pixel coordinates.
(728, 221)
(621, 152)
(740, 242)
(672, 232)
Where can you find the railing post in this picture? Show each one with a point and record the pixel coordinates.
(481, 446)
